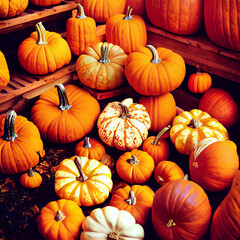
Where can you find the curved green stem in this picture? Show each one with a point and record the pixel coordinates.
(63, 100)
(164, 130)
(9, 126)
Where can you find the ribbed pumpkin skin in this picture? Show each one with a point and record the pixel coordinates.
(33, 181)
(184, 203)
(102, 10)
(12, 8)
(222, 22)
(45, 3)
(199, 82)
(226, 222)
(138, 7)
(183, 17)
(4, 72)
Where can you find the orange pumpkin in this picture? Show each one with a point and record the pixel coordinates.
(101, 66)
(220, 105)
(12, 8)
(21, 145)
(4, 72)
(138, 7)
(135, 167)
(90, 148)
(43, 52)
(86, 181)
(188, 128)
(136, 199)
(45, 3)
(213, 164)
(153, 71)
(61, 219)
(65, 114)
(123, 125)
(80, 32)
(31, 179)
(127, 31)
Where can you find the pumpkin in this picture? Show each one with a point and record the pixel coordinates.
(90, 148)
(84, 181)
(136, 199)
(220, 105)
(80, 32)
(43, 52)
(222, 20)
(111, 223)
(199, 82)
(225, 221)
(65, 114)
(21, 145)
(213, 164)
(154, 72)
(4, 72)
(157, 147)
(123, 125)
(102, 10)
(167, 171)
(181, 211)
(161, 109)
(182, 17)
(45, 3)
(127, 31)
(135, 167)
(12, 8)
(138, 7)
(190, 127)
(101, 66)
(61, 219)
(31, 179)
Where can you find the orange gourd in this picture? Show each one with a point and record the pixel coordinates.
(4, 72)
(45, 3)
(127, 31)
(12, 8)
(31, 179)
(213, 164)
(154, 72)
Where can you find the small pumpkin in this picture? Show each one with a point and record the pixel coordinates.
(135, 167)
(190, 127)
(167, 171)
(31, 179)
(135, 199)
(86, 181)
(45, 3)
(65, 114)
(21, 145)
(43, 52)
(101, 66)
(61, 219)
(90, 148)
(213, 164)
(111, 223)
(123, 125)
(4, 72)
(199, 82)
(154, 72)
(80, 32)
(127, 31)
(12, 8)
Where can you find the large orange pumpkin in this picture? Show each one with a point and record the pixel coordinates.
(181, 17)
(128, 31)
(4, 72)
(12, 8)
(153, 71)
(43, 52)
(65, 114)
(45, 3)
(222, 22)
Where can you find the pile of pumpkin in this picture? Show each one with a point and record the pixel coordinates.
(180, 208)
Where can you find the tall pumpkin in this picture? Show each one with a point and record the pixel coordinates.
(153, 71)
(222, 22)
(12, 8)
(128, 31)
(45, 3)
(43, 52)
(183, 17)
(65, 114)
(4, 72)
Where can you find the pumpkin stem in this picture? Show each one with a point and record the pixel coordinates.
(133, 160)
(171, 223)
(164, 130)
(63, 100)
(9, 126)
(113, 236)
(125, 111)
(87, 143)
(104, 52)
(82, 177)
(198, 70)
(155, 58)
(81, 13)
(30, 172)
(59, 216)
(131, 198)
(195, 164)
(185, 177)
(41, 33)
(195, 123)
(128, 15)
(160, 179)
